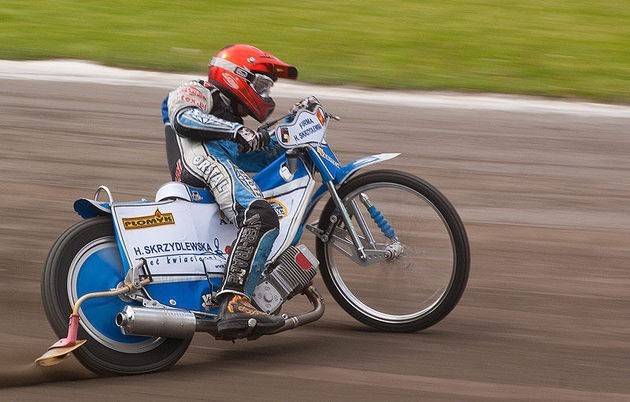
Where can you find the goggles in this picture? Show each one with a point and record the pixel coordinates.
(259, 82)
(262, 85)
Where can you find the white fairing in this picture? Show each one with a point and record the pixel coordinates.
(191, 239)
(174, 237)
(289, 202)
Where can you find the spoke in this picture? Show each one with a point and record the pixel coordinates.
(396, 284)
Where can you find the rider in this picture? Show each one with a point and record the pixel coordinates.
(206, 142)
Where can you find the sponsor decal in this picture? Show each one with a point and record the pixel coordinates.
(284, 135)
(192, 95)
(302, 261)
(243, 252)
(142, 222)
(241, 72)
(320, 116)
(194, 195)
(329, 158)
(194, 91)
(309, 127)
(178, 253)
(195, 102)
(247, 182)
(279, 207)
(230, 80)
(306, 122)
(211, 173)
(178, 247)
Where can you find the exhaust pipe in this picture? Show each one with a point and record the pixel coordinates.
(161, 322)
(182, 324)
(317, 301)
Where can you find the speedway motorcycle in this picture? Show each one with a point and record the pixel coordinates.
(132, 282)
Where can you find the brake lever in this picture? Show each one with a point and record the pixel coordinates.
(333, 116)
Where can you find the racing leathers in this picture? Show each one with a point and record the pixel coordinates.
(208, 146)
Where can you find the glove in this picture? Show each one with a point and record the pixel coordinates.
(306, 103)
(249, 140)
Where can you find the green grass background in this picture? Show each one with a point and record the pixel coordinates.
(564, 48)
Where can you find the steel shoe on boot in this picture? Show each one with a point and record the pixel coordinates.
(235, 314)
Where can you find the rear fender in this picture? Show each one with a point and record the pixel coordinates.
(87, 208)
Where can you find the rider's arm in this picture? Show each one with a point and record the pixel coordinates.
(200, 112)
(194, 123)
(190, 109)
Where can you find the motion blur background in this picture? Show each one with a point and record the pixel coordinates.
(564, 48)
(543, 191)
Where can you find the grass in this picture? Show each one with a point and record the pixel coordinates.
(565, 48)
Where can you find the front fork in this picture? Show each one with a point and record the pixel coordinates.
(375, 251)
(347, 219)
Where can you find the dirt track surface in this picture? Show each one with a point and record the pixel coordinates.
(545, 199)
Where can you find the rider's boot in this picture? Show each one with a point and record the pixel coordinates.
(235, 314)
(245, 267)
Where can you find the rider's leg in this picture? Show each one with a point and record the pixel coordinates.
(258, 228)
(245, 267)
(250, 249)
(241, 202)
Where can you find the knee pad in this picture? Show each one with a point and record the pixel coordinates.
(261, 211)
(251, 248)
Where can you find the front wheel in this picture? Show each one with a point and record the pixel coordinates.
(85, 259)
(418, 253)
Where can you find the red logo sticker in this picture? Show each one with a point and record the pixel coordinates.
(303, 262)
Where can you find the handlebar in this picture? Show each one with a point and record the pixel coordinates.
(266, 126)
(333, 116)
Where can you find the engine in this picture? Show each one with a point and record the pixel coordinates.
(293, 270)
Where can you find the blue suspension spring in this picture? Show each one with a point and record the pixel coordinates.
(381, 221)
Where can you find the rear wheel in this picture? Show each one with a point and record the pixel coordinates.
(426, 272)
(86, 259)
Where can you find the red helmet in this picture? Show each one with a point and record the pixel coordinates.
(248, 74)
